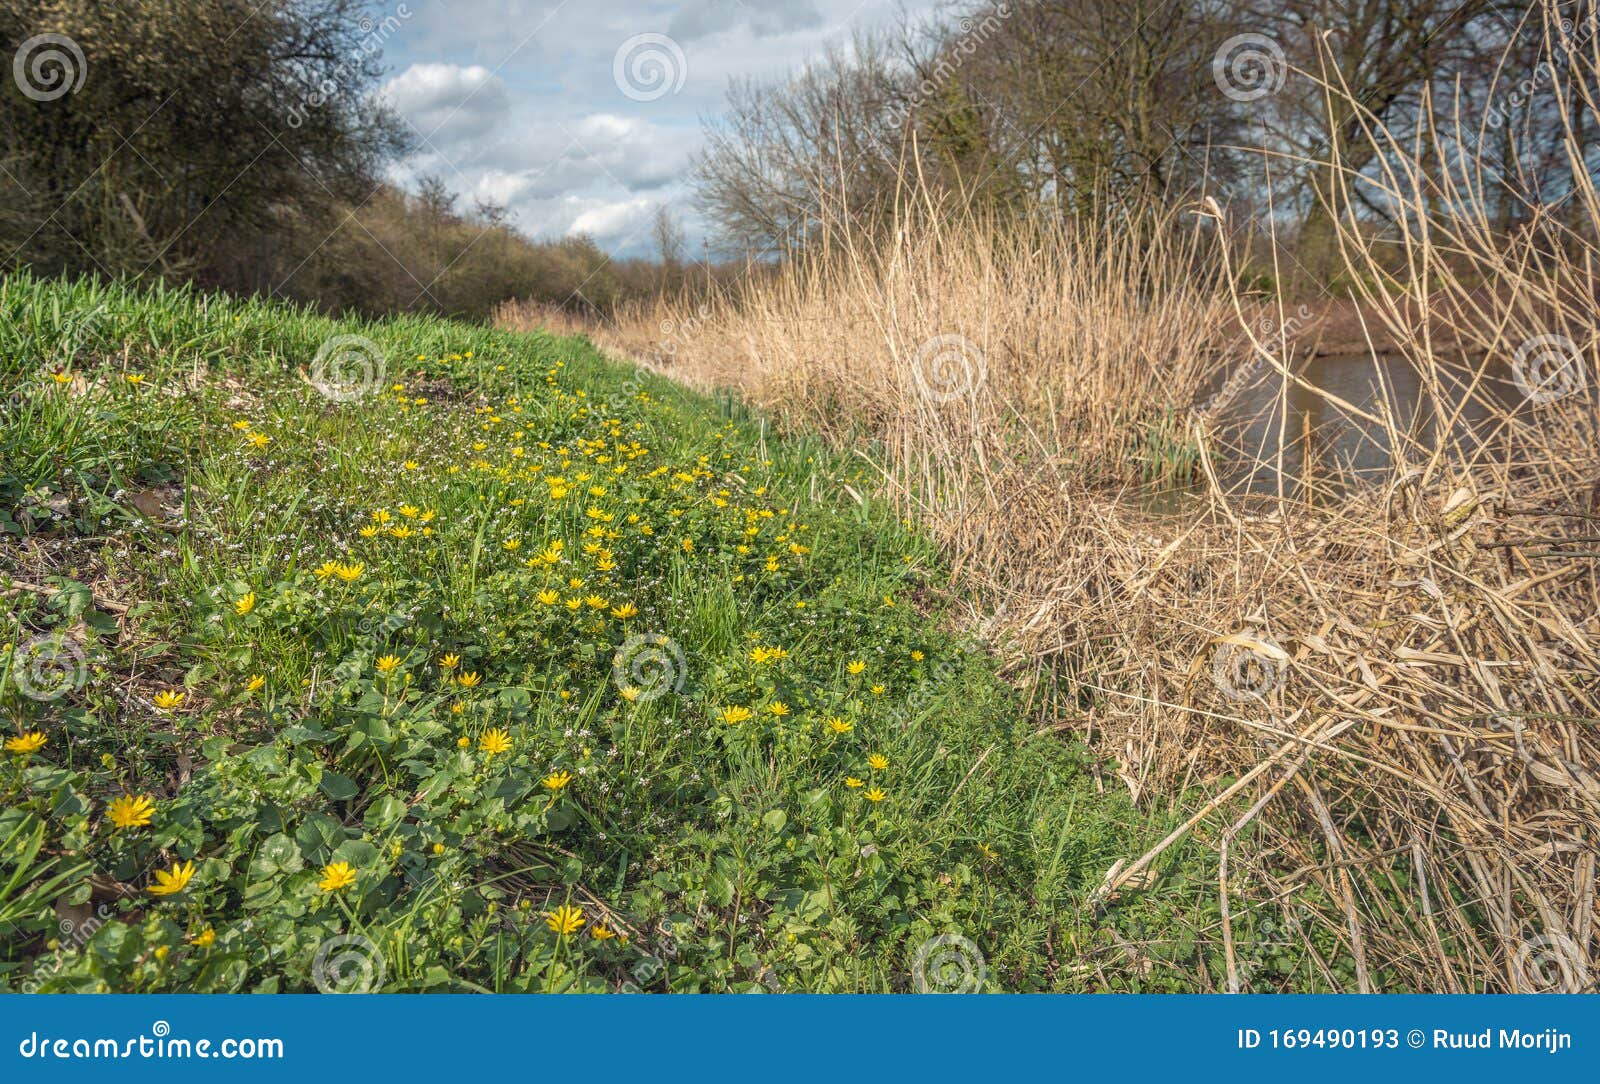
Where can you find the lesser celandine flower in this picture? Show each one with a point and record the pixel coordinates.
(877, 762)
(556, 781)
(169, 882)
(855, 666)
(450, 662)
(168, 699)
(245, 603)
(564, 920)
(852, 781)
(735, 715)
(599, 932)
(495, 741)
(130, 811)
(778, 708)
(337, 876)
(469, 680)
(387, 664)
(628, 693)
(25, 745)
(257, 682)
(876, 795)
(838, 725)
(204, 939)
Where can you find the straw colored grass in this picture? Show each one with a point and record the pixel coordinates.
(1379, 705)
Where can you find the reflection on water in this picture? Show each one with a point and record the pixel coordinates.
(1328, 448)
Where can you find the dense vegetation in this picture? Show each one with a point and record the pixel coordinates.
(510, 667)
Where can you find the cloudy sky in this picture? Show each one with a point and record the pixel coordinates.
(583, 115)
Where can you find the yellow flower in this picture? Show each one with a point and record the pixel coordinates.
(595, 602)
(735, 715)
(469, 680)
(625, 611)
(410, 511)
(876, 795)
(878, 762)
(204, 939)
(27, 744)
(838, 725)
(852, 781)
(168, 699)
(255, 684)
(410, 464)
(259, 440)
(245, 604)
(169, 882)
(564, 920)
(599, 932)
(916, 656)
(135, 379)
(628, 693)
(549, 597)
(129, 811)
(450, 661)
(495, 741)
(369, 531)
(381, 516)
(512, 544)
(349, 573)
(556, 781)
(387, 664)
(855, 666)
(327, 568)
(401, 533)
(336, 876)
(877, 690)
(778, 708)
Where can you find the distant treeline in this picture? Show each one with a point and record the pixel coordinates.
(1082, 106)
(239, 145)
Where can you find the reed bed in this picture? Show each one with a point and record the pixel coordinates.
(1378, 700)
